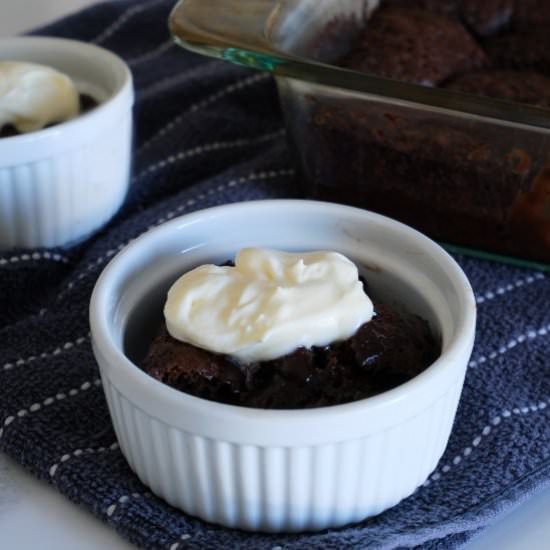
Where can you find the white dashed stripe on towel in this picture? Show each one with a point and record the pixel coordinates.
(85, 386)
(504, 289)
(33, 257)
(510, 345)
(476, 441)
(79, 452)
(90, 268)
(67, 346)
(177, 544)
(207, 148)
(220, 94)
(112, 507)
(122, 19)
(152, 54)
(166, 83)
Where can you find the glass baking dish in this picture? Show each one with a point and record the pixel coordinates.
(471, 172)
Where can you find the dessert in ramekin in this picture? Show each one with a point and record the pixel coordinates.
(60, 183)
(285, 330)
(294, 469)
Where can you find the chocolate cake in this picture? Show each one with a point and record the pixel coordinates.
(460, 181)
(530, 13)
(521, 51)
(439, 7)
(87, 103)
(385, 352)
(484, 17)
(415, 46)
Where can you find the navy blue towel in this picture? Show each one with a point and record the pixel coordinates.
(201, 125)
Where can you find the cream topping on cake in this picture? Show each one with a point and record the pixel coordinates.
(33, 96)
(269, 304)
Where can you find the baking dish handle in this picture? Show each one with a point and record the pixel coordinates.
(235, 30)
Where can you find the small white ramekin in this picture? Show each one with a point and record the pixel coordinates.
(281, 470)
(60, 184)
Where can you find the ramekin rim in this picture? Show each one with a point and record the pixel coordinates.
(461, 342)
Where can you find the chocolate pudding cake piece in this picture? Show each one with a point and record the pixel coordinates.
(452, 184)
(524, 51)
(530, 13)
(387, 351)
(193, 370)
(439, 7)
(522, 87)
(484, 17)
(336, 40)
(414, 46)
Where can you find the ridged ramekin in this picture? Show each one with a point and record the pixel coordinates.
(281, 470)
(60, 184)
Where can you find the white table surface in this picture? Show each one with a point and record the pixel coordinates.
(34, 515)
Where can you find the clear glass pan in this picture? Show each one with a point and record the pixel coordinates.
(466, 170)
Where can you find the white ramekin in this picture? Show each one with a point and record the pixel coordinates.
(60, 184)
(282, 470)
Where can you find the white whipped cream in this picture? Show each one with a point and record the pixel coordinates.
(33, 96)
(268, 304)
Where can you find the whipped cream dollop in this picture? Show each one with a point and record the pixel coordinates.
(269, 304)
(33, 96)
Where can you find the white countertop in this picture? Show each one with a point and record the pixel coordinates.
(20, 15)
(57, 524)
(34, 515)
